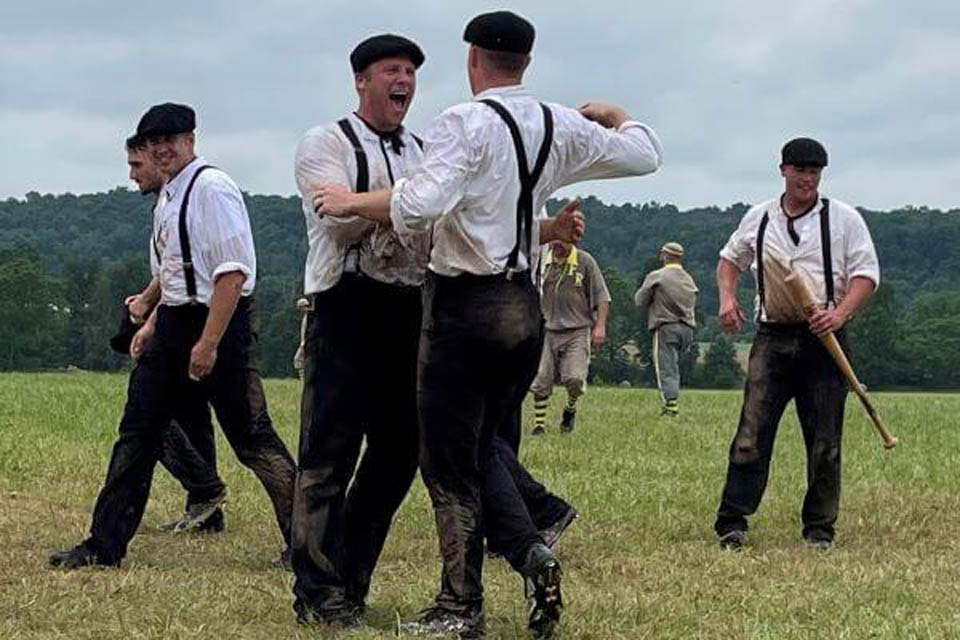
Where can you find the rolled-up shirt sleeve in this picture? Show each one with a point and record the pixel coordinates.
(596, 152)
(740, 248)
(221, 230)
(439, 184)
(860, 255)
(320, 159)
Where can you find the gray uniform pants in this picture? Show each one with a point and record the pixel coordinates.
(565, 359)
(669, 341)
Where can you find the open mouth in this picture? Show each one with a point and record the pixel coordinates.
(399, 99)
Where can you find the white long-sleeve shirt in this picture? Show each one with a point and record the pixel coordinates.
(851, 252)
(218, 228)
(326, 156)
(468, 184)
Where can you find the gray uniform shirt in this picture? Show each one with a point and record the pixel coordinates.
(572, 289)
(670, 295)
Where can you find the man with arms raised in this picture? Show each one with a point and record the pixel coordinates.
(202, 333)
(489, 166)
(829, 241)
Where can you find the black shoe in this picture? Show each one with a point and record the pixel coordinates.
(732, 540)
(569, 420)
(438, 621)
(214, 524)
(552, 533)
(543, 569)
(80, 556)
(199, 512)
(343, 616)
(538, 430)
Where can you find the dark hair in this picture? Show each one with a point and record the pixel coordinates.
(136, 143)
(506, 62)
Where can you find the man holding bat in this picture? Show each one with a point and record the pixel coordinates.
(827, 241)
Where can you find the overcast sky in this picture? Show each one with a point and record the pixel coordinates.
(723, 83)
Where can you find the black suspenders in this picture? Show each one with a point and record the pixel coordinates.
(189, 275)
(824, 246)
(528, 178)
(363, 181)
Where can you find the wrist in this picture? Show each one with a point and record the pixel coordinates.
(206, 342)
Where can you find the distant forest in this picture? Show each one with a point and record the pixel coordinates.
(67, 261)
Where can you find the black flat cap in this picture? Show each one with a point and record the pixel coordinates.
(383, 46)
(804, 152)
(166, 119)
(500, 31)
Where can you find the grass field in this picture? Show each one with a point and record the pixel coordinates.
(641, 562)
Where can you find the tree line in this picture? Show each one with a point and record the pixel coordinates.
(67, 261)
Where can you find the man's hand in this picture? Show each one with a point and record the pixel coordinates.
(732, 317)
(140, 340)
(138, 308)
(604, 114)
(599, 335)
(827, 320)
(203, 357)
(568, 224)
(333, 200)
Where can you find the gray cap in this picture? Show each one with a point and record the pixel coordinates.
(673, 249)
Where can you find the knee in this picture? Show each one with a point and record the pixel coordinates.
(575, 386)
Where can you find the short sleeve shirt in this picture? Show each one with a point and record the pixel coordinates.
(572, 289)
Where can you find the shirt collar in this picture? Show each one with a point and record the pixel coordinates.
(179, 180)
(673, 265)
(512, 91)
(571, 262)
(817, 205)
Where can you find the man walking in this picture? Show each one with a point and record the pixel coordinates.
(576, 304)
(829, 241)
(669, 296)
(202, 333)
(191, 461)
(482, 331)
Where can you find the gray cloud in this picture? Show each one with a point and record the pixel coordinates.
(724, 84)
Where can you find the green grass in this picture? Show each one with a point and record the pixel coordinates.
(641, 562)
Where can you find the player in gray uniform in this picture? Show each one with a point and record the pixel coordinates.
(669, 295)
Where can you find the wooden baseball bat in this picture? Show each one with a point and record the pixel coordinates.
(798, 288)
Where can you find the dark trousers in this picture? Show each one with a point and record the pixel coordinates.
(359, 382)
(192, 460)
(787, 362)
(544, 507)
(479, 351)
(157, 383)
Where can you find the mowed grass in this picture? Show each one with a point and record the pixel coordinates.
(641, 562)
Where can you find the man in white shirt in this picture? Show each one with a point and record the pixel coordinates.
(359, 377)
(483, 329)
(201, 333)
(191, 459)
(357, 273)
(829, 241)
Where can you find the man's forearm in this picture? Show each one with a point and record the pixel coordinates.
(727, 276)
(603, 312)
(151, 295)
(226, 293)
(373, 205)
(858, 293)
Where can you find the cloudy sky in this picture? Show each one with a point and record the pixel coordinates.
(723, 83)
